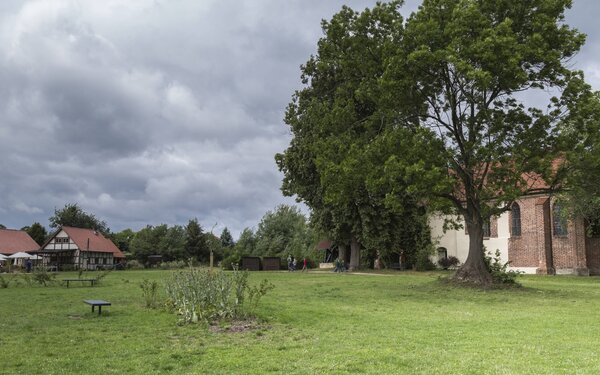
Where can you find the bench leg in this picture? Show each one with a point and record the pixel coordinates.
(99, 309)
(92, 308)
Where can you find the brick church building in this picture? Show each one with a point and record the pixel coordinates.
(533, 237)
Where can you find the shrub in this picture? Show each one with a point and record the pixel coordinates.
(499, 270)
(149, 291)
(423, 261)
(42, 277)
(205, 295)
(449, 262)
(102, 275)
(134, 265)
(176, 264)
(4, 283)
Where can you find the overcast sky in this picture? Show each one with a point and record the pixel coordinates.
(151, 111)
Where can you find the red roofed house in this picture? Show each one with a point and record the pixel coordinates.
(13, 241)
(80, 248)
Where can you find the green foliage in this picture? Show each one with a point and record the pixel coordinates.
(232, 258)
(123, 239)
(423, 258)
(500, 273)
(448, 262)
(246, 244)
(42, 276)
(226, 238)
(37, 232)
(331, 163)
(283, 231)
(399, 114)
(135, 265)
(173, 265)
(196, 245)
(73, 215)
(214, 244)
(4, 283)
(202, 295)
(149, 292)
(101, 275)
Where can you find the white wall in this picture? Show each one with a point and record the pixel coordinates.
(456, 242)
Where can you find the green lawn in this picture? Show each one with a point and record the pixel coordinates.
(315, 323)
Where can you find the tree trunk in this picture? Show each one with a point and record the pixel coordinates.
(474, 269)
(342, 253)
(354, 254)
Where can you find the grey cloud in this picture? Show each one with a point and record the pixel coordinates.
(149, 112)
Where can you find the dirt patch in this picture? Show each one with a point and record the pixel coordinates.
(237, 326)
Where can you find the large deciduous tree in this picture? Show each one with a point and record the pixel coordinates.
(73, 215)
(444, 108)
(282, 232)
(334, 119)
(464, 73)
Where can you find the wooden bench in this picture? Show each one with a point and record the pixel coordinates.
(97, 302)
(91, 281)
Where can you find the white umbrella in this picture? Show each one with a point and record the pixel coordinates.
(20, 255)
(3, 257)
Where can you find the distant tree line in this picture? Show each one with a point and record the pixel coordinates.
(281, 232)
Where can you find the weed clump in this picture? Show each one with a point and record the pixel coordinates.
(203, 295)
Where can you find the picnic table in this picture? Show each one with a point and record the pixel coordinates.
(91, 281)
(97, 302)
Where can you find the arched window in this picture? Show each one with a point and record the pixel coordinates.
(559, 224)
(442, 253)
(515, 213)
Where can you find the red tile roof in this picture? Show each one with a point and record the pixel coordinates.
(97, 243)
(12, 241)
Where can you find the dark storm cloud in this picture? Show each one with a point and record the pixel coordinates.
(149, 111)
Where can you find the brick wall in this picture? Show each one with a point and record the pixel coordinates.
(523, 249)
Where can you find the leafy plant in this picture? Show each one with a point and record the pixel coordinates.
(149, 291)
(205, 295)
(500, 272)
(4, 283)
(448, 262)
(42, 276)
(102, 275)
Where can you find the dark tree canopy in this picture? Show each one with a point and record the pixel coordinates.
(226, 238)
(37, 232)
(334, 119)
(72, 215)
(196, 245)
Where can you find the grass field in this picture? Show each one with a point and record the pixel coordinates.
(315, 323)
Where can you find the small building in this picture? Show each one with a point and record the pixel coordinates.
(80, 248)
(250, 263)
(271, 263)
(13, 241)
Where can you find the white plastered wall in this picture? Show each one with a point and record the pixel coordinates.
(456, 242)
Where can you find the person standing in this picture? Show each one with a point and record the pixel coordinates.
(304, 267)
(28, 265)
